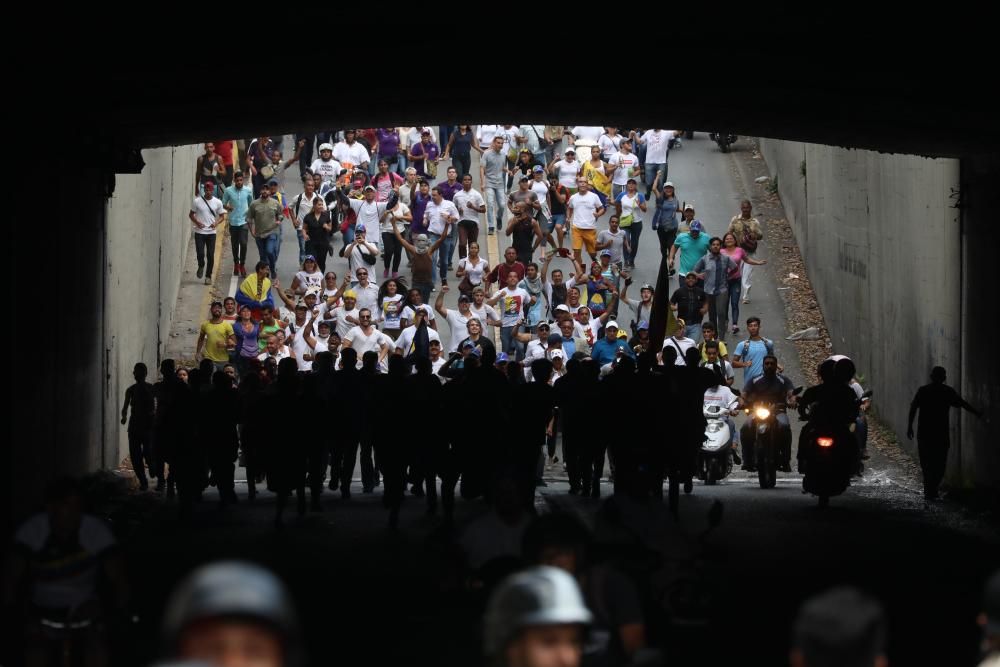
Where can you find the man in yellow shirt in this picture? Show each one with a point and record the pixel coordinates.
(217, 337)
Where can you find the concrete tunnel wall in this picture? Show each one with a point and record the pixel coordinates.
(148, 234)
(883, 241)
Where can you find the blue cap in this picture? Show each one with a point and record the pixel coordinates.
(273, 181)
(476, 352)
(538, 169)
(501, 357)
(360, 228)
(696, 226)
(643, 325)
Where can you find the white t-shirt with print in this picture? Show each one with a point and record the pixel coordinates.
(408, 312)
(657, 144)
(390, 314)
(627, 166)
(587, 133)
(340, 314)
(486, 314)
(512, 303)
(541, 190)
(329, 169)
(405, 341)
(584, 209)
(355, 153)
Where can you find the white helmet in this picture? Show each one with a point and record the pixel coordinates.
(325, 147)
(542, 595)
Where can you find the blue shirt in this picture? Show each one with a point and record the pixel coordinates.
(604, 352)
(568, 346)
(753, 353)
(240, 199)
(692, 249)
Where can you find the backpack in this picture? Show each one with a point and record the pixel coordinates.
(768, 345)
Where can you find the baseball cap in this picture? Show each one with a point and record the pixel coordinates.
(360, 228)
(425, 131)
(273, 181)
(569, 150)
(523, 179)
(369, 188)
(325, 147)
(690, 273)
(544, 324)
(557, 354)
(688, 207)
(606, 253)
(562, 307)
(350, 294)
(586, 308)
(464, 299)
(646, 286)
(610, 324)
(668, 184)
(538, 169)
(501, 357)
(622, 333)
(309, 258)
(468, 343)
(643, 325)
(696, 226)
(478, 289)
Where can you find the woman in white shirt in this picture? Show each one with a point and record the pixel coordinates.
(567, 169)
(309, 276)
(471, 270)
(390, 308)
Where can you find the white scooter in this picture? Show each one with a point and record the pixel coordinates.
(715, 458)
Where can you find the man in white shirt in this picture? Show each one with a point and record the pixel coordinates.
(584, 133)
(657, 143)
(609, 143)
(626, 164)
(355, 252)
(366, 338)
(457, 319)
(485, 134)
(679, 343)
(470, 204)
(206, 214)
(274, 350)
(582, 211)
(538, 348)
(301, 207)
(404, 344)
(325, 165)
(351, 152)
(486, 313)
(439, 215)
(346, 315)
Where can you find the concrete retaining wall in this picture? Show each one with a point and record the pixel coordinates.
(883, 241)
(148, 234)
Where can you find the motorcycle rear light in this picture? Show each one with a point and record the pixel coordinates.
(824, 442)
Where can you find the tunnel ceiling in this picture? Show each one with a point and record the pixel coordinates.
(878, 111)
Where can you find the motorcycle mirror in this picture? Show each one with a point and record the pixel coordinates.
(715, 514)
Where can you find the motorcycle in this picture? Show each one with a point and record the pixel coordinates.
(715, 458)
(764, 421)
(831, 458)
(723, 139)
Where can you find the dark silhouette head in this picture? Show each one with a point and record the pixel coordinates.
(840, 628)
(825, 371)
(938, 375)
(287, 369)
(558, 539)
(369, 361)
(221, 381)
(422, 364)
(625, 367)
(844, 371)
(692, 357)
(397, 365)
(541, 370)
(139, 372)
(207, 368)
(645, 361)
(349, 358)
(669, 355)
(168, 369)
(323, 363)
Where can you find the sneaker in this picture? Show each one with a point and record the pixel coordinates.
(736, 329)
(736, 458)
(492, 231)
(243, 270)
(395, 274)
(450, 267)
(444, 282)
(385, 274)
(236, 269)
(208, 280)
(334, 484)
(688, 486)
(201, 271)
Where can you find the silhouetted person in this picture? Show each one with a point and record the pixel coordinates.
(218, 415)
(253, 429)
(190, 460)
(428, 447)
(317, 390)
(286, 456)
(838, 628)
(140, 426)
(933, 434)
(531, 405)
(574, 431)
(369, 411)
(690, 417)
(395, 441)
(348, 431)
(164, 393)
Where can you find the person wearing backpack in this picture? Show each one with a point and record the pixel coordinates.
(749, 354)
(747, 230)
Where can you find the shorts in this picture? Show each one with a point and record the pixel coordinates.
(585, 238)
(556, 219)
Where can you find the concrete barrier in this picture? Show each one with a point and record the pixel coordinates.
(882, 240)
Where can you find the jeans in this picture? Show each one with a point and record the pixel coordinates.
(140, 450)
(392, 251)
(634, 230)
(735, 291)
(238, 239)
(319, 251)
(349, 235)
(649, 175)
(203, 243)
(667, 238)
(508, 342)
(496, 201)
(424, 289)
(718, 311)
(451, 243)
(462, 164)
(436, 257)
(692, 331)
(268, 249)
(302, 244)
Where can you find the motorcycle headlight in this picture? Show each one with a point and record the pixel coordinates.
(712, 428)
(762, 413)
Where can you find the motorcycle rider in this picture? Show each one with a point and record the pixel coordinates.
(774, 388)
(231, 613)
(721, 395)
(832, 404)
(536, 618)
